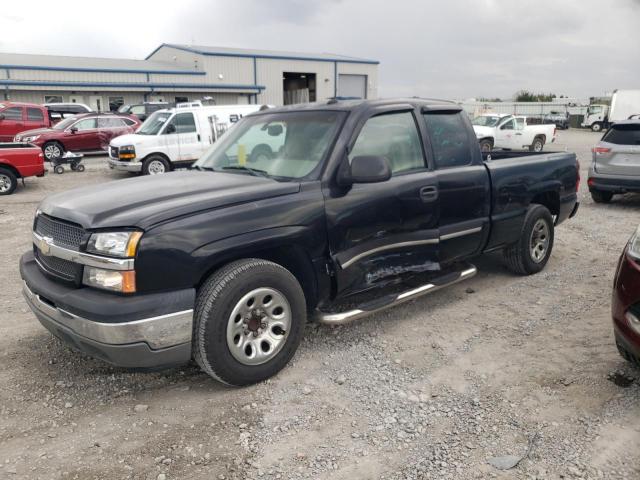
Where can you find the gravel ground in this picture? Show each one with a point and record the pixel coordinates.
(497, 371)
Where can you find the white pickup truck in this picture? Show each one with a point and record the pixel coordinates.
(511, 132)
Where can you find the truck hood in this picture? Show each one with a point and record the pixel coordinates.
(134, 139)
(146, 201)
(483, 131)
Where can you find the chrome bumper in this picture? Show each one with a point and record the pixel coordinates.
(125, 166)
(158, 332)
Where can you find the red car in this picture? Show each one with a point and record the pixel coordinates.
(88, 132)
(625, 306)
(18, 117)
(18, 160)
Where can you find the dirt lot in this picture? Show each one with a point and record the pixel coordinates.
(500, 365)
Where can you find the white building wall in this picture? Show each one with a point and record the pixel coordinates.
(270, 72)
(368, 69)
(56, 76)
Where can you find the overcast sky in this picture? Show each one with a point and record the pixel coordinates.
(447, 49)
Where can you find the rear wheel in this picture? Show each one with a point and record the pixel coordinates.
(537, 145)
(532, 251)
(249, 321)
(486, 146)
(155, 165)
(59, 169)
(599, 196)
(52, 151)
(261, 153)
(8, 181)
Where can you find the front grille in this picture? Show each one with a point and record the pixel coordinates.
(64, 234)
(64, 269)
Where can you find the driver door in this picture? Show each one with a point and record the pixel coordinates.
(380, 231)
(506, 134)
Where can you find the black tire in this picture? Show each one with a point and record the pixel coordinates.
(519, 256)
(596, 127)
(215, 303)
(261, 151)
(486, 145)
(151, 165)
(52, 151)
(80, 168)
(537, 145)
(599, 196)
(8, 181)
(59, 169)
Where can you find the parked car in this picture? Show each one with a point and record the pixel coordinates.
(88, 132)
(625, 307)
(560, 119)
(351, 215)
(70, 107)
(143, 110)
(511, 132)
(18, 161)
(624, 104)
(17, 117)
(175, 137)
(616, 162)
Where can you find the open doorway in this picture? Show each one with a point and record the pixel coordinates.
(298, 87)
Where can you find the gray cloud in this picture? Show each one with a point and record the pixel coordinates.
(453, 49)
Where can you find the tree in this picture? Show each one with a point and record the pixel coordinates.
(527, 96)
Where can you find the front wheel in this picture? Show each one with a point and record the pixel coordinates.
(596, 127)
(249, 321)
(52, 151)
(486, 146)
(155, 165)
(532, 251)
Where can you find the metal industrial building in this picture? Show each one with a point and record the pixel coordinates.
(178, 73)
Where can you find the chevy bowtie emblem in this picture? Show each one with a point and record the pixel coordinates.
(45, 245)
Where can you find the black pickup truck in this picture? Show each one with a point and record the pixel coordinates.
(361, 205)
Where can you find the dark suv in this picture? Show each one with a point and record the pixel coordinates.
(89, 132)
(143, 110)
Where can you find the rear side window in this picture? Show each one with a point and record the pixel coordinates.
(35, 115)
(623, 135)
(128, 121)
(13, 113)
(449, 139)
(109, 122)
(392, 135)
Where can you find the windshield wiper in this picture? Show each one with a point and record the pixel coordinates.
(253, 171)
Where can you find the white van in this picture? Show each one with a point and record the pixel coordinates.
(174, 137)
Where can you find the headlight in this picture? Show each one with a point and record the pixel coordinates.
(114, 280)
(127, 152)
(116, 244)
(31, 138)
(634, 245)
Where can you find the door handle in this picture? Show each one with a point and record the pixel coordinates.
(518, 134)
(429, 194)
(198, 137)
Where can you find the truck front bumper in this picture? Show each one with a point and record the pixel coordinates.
(612, 183)
(149, 331)
(125, 166)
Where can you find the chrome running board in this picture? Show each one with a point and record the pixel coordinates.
(341, 318)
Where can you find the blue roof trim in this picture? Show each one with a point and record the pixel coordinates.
(209, 86)
(257, 55)
(103, 70)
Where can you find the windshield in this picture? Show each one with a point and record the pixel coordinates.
(280, 145)
(124, 108)
(154, 123)
(486, 121)
(67, 122)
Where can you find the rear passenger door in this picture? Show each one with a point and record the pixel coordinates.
(463, 183)
(35, 118)
(379, 231)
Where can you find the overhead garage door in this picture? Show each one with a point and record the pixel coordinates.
(352, 86)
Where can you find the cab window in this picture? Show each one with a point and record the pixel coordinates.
(508, 125)
(394, 136)
(12, 113)
(183, 123)
(449, 139)
(35, 115)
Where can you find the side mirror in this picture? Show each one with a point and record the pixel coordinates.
(364, 169)
(73, 129)
(274, 130)
(1, 116)
(171, 128)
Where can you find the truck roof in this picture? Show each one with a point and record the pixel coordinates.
(359, 105)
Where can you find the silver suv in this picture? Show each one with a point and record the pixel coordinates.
(616, 162)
